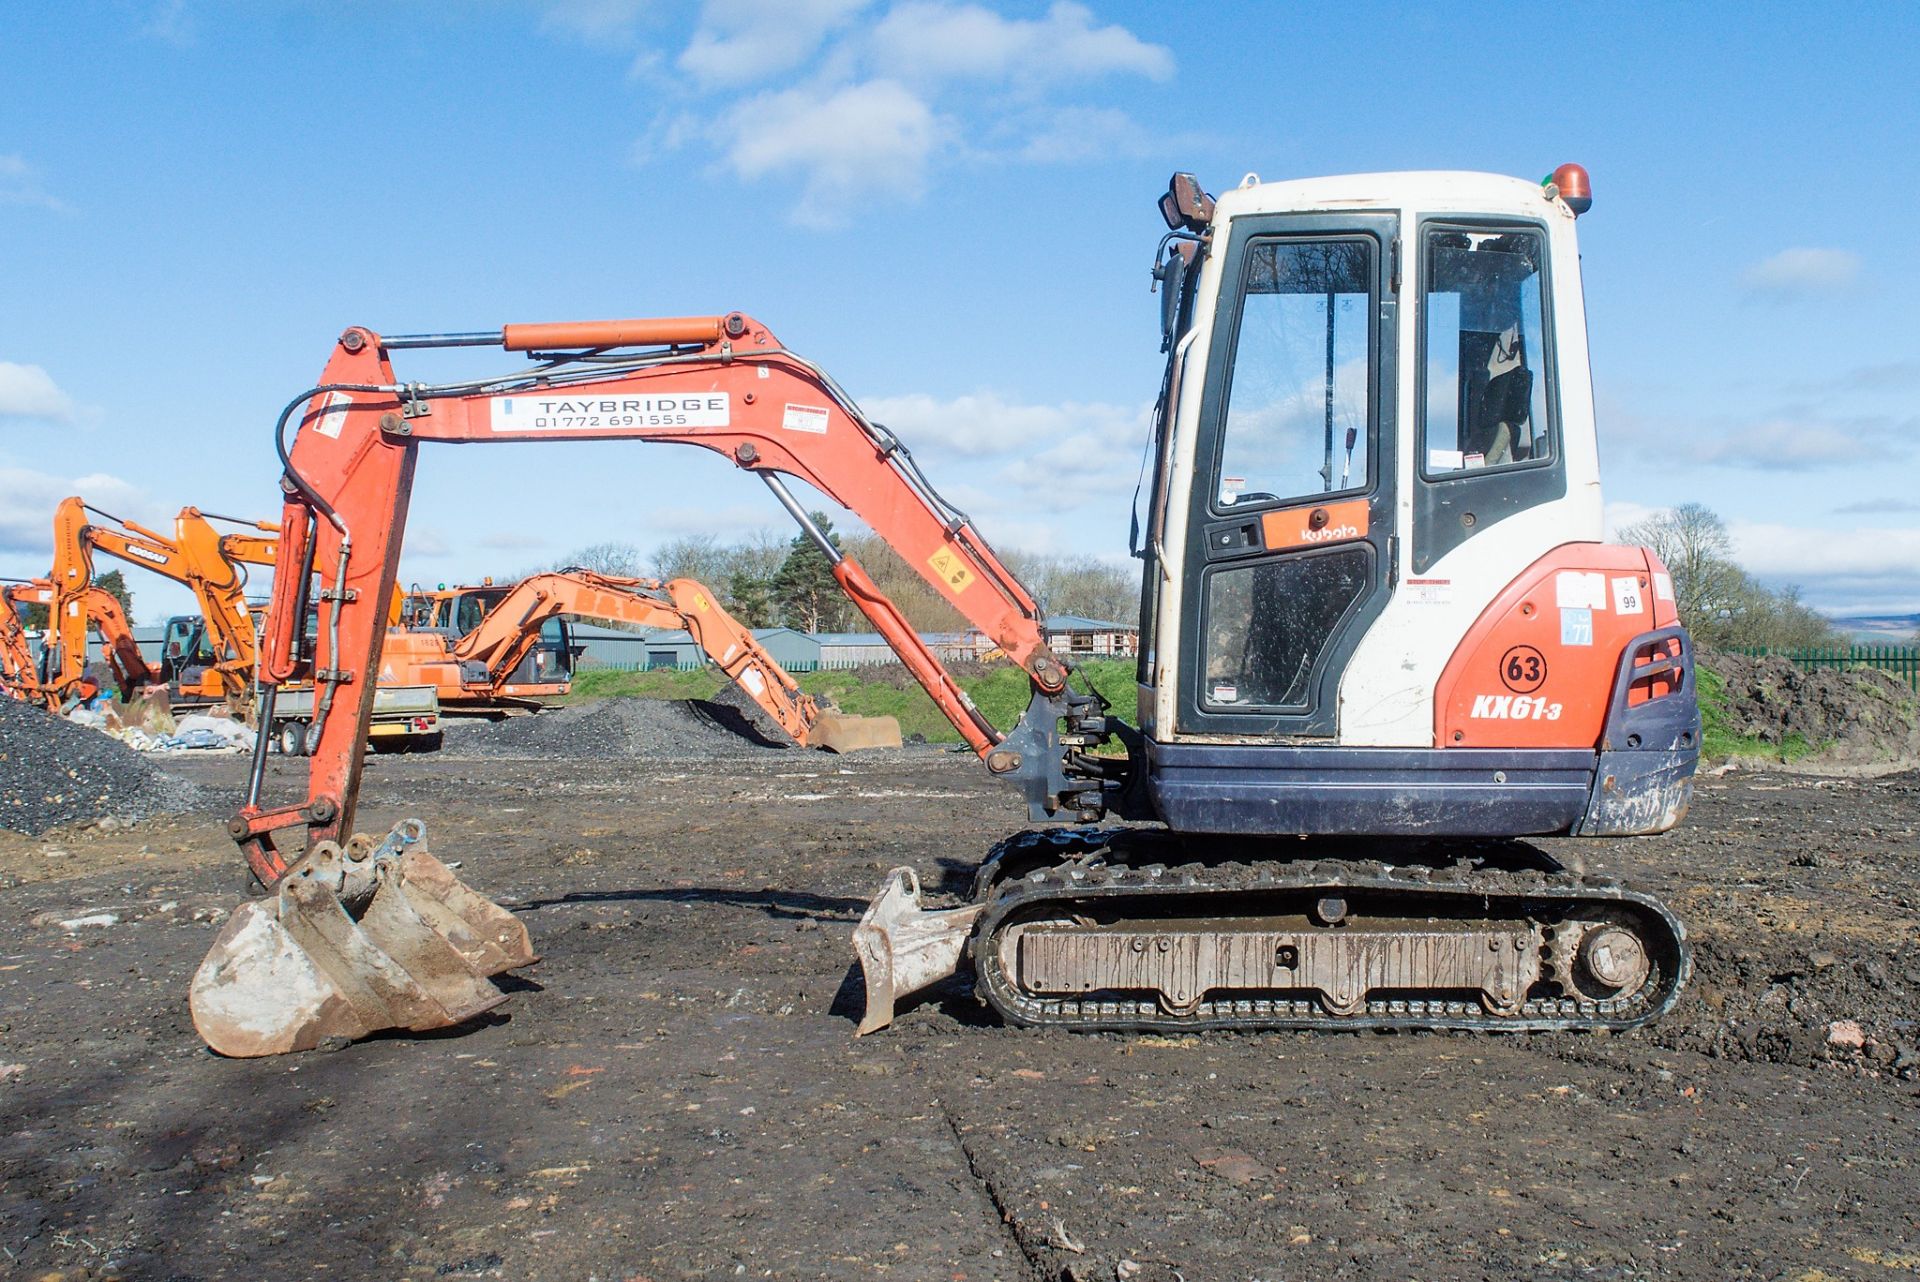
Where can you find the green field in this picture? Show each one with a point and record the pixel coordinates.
(1000, 692)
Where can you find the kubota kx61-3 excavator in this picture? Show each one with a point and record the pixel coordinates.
(1377, 611)
(480, 665)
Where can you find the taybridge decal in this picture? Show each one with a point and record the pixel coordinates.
(1513, 707)
(558, 413)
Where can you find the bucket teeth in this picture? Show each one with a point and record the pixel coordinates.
(297, 968)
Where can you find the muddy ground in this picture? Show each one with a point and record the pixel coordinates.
(673, 1092)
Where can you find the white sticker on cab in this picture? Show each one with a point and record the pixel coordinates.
(1580, 590)
(1626, 596)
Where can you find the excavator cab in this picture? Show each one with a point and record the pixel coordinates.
(1375, 569)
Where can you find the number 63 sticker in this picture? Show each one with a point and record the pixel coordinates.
(1523, 669)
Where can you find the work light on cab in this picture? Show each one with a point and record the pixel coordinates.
(1570, 183)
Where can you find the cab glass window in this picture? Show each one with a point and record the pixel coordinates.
(1300, 406)
(1486, 358)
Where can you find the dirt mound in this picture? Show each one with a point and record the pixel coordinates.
(1861, 716)
(53, 772)
(673, 729)
(1824, 1002)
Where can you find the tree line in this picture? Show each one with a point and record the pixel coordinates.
(765, 581)
(1722, 605)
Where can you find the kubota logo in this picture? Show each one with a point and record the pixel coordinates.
(1513, 707)
(1329, 534)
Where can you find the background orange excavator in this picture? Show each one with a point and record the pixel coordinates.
(61, 671)
(481, 667)
(209, 660)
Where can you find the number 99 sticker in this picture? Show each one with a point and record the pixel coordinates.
(1523, 669)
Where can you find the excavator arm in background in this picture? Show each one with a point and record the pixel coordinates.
(501, 641)
(63, 661)
(206, 560)
(18, 677)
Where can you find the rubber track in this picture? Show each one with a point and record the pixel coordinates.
(1062, 870)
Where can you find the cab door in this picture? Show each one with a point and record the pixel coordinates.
(1290, 528)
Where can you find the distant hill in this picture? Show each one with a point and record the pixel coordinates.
(1880, 629)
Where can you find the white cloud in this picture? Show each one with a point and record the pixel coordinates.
(1797, 273)
(984, 424)
(846, 145)
(1820, 555)
(924, 40)
(1798, 444)
(1877, 507)
(20, 185)
(27, 391)
(856, 114)
(514, 541)
(1074, 134)
(170, 22)
(595, 21)
(744, 42)
(28, 498)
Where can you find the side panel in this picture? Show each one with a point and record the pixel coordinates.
(1537, 668)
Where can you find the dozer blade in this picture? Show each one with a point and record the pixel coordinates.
(351, 944)
(838, 732)
(903, 947)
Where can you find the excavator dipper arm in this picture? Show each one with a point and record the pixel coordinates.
(723, 383)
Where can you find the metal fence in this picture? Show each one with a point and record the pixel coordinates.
(1903, 661)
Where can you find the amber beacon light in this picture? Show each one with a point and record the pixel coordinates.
(1571, 184)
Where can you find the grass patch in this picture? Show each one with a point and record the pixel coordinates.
(1001, 694)
(1719, 739)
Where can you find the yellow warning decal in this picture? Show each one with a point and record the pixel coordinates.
(700, 602)
(951, 569)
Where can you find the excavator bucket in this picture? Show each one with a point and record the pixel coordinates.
(354, 941)
(839, 732)
(904, 948)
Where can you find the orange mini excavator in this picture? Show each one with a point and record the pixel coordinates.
(481, 668)
(1382, 641)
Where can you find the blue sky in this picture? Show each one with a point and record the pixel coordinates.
(949, 205)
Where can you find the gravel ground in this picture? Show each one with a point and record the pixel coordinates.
(673, 1091)
(55, 772)
(729, 726)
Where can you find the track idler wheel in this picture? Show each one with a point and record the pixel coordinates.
(351, 942)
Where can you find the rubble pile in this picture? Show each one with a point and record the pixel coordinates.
(53, 772)
(1860, 716)
(673, 729)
